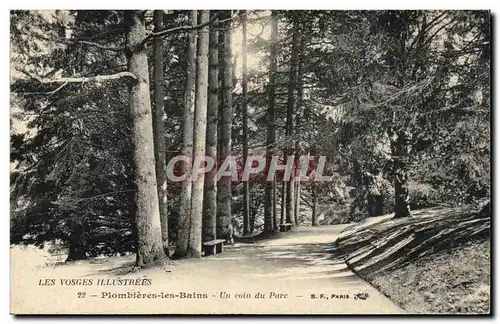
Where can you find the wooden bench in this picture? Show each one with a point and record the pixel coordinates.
(286, 227)
(213, 247)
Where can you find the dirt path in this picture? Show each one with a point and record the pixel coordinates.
(295, 273)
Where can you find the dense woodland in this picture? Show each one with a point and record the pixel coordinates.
(397, 101)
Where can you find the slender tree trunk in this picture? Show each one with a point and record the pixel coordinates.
(296, 198)
(292, 86)
(210, 192)
(275, 211)
(246, 188)
(314, 219)
(297, 186)
(252, 221)
(290, 216)
(356, 179)
(298, 117)
(159, 130)
(400, 150)
(270, 187)
(283, 201)
(224, 191)
(149, 240)
(200, 131)
(187, 147)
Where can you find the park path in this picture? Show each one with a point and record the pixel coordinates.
(294, 273)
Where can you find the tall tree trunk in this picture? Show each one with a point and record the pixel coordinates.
(224, 191)
(187, 147)
(298, 120)
(292, 86)
(159, 129)
(270, 187)
(357, 177)
(149, 240)
(275, 211)
(200, 131)
(289, 206)
(399, 150)
(399, 139)
(252, 220)
(210, 192)
(246, 188)
(314, 218)
(296, 198)
(283, 201)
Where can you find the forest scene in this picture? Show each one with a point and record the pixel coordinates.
(345, 149)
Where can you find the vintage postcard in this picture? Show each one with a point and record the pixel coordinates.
(250, 162)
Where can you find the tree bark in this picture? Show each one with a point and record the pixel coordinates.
(252, 221)
(296, 198)
(224, 191)
(314, 219)
(210, 192)
(269, 190)
(292, 86)
(283, 201)
(246, 188)
(296, 208)
(159, 130)
(275, 211)
(149, 240)
(300, 110)
(187, 148)
(399, 151)
(200, 131)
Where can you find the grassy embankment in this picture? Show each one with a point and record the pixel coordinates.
(437, 262)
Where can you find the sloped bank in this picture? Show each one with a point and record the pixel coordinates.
(437, 261)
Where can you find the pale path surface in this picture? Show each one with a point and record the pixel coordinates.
(293, 267)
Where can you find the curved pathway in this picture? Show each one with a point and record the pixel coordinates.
(294, 273)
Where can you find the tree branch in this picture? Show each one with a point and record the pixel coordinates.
(98, 78)
(213, 21)
(106, 48)
(59, 88)
(103, 195)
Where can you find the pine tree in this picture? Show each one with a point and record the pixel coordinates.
(200, 130)
(246, 187)
(224, 192)
(271, 126)
(292, 87)
(210, 191)
(187, 148)
(159, 129)
(149, 240)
